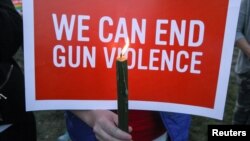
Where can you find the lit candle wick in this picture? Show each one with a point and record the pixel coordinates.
(125, 48)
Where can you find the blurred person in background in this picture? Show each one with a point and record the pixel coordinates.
(15, 123)
(242, 68)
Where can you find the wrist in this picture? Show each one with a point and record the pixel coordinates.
(85, 116)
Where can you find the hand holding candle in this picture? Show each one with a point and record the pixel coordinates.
(122, 88)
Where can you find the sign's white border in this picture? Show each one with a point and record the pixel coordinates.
(217, 112)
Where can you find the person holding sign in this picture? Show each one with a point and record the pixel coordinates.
(93, 125)
(242, 68)
(15, 123)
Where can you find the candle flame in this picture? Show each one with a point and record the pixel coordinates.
(125, 48)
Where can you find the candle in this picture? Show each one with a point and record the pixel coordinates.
(122, 89)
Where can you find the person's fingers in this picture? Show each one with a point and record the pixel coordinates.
(105, 128)
(115, 118)
(130, 129)
(114, 131)
(103, 136)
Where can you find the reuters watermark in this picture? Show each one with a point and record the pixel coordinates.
(241, 132)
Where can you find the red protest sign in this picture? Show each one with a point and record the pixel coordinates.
(174, 57)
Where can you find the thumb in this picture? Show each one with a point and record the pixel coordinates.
(115, 119)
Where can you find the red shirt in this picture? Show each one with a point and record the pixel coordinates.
(147, 125)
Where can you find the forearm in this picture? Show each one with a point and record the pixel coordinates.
(84, 115)
(244, 45)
